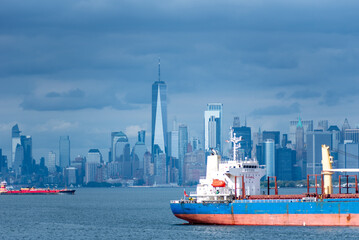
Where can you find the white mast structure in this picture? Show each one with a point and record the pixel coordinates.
(236, 143)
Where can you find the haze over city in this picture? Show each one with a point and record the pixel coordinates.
(85, 68)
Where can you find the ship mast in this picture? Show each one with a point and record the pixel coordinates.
(236, 144)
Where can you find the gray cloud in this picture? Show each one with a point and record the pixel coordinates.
(276, 110)
(305, 94)
(72, 100)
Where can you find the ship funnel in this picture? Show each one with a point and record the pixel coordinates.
(212, 165)
(327, 161)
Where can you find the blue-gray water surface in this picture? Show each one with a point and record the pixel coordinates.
(129, 213)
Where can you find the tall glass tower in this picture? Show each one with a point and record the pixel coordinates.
(15, 140)
(159, 116)
(64, 151)
(213, 126)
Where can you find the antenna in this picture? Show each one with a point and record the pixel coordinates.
(159, 69)
(236, 143)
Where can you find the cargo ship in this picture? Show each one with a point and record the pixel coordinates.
(230, 194)
(33, 191)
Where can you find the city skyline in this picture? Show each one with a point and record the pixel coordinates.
(86, 79)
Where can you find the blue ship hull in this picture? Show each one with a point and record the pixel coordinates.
(323, 212)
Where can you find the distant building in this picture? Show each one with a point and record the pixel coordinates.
(137, 159)
(93, 162)
(285, 161)
(159, 116)
(300, 149)
(117, 138)
(182, 149)
(160, 168)
(274, 135)
(64, 151)
(344, 127)
(269, 156)
(51, 162)
(246, 143)
(352, 135)
(323, 125)
(71, 175)
(94, 156)
(194, 167)
(335, 131)
(142, 136)
(19, 158)
(173, 144)
(27, 163)
(15, 140)
(307, 125)
(213, 126)
(348, 156)
(80, 164)
(315, 140)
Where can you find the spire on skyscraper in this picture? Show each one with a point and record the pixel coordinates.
(159, 69)
(300, 125)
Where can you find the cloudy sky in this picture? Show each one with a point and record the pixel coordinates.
(85, 68)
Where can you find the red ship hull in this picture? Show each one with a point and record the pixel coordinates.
(37, 192)
(273, 219)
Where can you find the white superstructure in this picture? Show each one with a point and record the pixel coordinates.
(230, 179)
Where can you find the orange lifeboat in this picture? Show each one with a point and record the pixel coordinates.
(218, 183)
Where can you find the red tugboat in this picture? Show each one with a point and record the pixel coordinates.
(33, 191)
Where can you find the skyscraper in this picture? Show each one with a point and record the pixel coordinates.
(246, 143)
(315, 140)
(137, 157)
(116, 137)
(121, 152)
(159, 115)
(51, 162)
(269, 156)
(213, 126)
(141, 136)
(15, 140)
(307, 125)
(182, 149)
(27, 163)
(64, 151)
(344, 127)
(275, 135)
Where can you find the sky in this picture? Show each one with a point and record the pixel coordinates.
(85, 68)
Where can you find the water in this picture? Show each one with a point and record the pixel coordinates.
(129, 213)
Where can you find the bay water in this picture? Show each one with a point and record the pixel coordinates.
(130, 213)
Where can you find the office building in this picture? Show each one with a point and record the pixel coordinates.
(351, 135)
(27, 163)
(274, 135)
(323, 125)
(344, 127)
(285, 161)
(213, 126)
(269, 156)
(51, 162)
(118, 139)
(182, 149)
(159, 116)
(64, 151)
(315, 140)
(94, 156)
(348, 156)
(307, 125)
(15, 140)
(245, 149)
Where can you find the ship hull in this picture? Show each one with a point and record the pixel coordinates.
(37, 192)
(333, 212)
